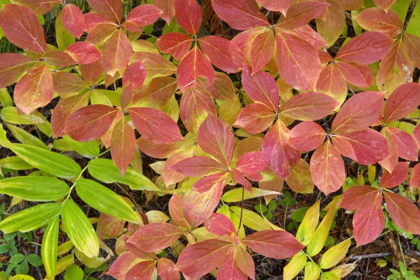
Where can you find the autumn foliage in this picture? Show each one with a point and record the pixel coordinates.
(291, 95)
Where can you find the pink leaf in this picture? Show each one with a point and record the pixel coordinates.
(306, 136)
(73, 20)
(220, 225)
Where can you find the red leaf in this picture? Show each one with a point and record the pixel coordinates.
(73, 20)
(175, 210)
(374, 19)
(123, 145)
(155, 125)
(40, 7)
(222, 87)
(169, 175)
(406, 144)
(90, 123)
(244, 262)
(122, 265)
(116, 53)
(188, 15)
(101, 33)
(154, 237)
(239, 14)
(251, 163)
(331, 82)
(255, 118)
(275, 5)
(261, 88)
(91, 72)
(134, 74)
(142, 270)
(358, 113)
(12, 67)
(300, 179)
(195, 105)
(332, 25)
(141, 16)
(157, 93)
(63, 109)
(167, 270)
(415, 177)
(207, 183)
(368, 222)
(294, 57)
(109, 9)
(229, 269)
(277, 153)
(366, 48)
(309, 106)
(403, 100)
(384, 4)
(167, 8)
(358, 197)
(306, 136)
(201, 258)
(356, 74)
(83, 52)
(222, 53)
(197, 205)
(34, 90)
(239, 178)
(301, 14)
(390, 162)
(403, 212)
(262, 50)
(365, 147)
(273, 244)
(327, 168)
(59, 59)
(397, 177)
(93, 19)
(220, 225)
(66, 84)
(411, 47)
(193, 65)
(216, 139)
(198, 166)
(310, 36)
(21, 26)
(175, 43)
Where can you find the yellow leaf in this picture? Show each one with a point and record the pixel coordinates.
(335, 254)
(312, 271)
(296, 264)
(308, 225)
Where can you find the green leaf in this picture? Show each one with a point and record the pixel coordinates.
(49, 247)
(30, 218)
(47, 161)
(34, 260)
(251, 219)
(79, 229)
(132, 178)
(105, 200)
(25, 137)
(34, 188)
(4, 248)
(73, 272)
(62, 36)
(5, 99)
(10, 115)
(15, 163)
(17, 258)
(88, 149)
(235, 195)
(22, 268)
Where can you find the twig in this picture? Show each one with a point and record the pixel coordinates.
(368, 256)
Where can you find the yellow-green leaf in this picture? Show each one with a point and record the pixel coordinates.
(132, 178)
(10, 115)
(47, 161)
(307, 227)
(49, 247)
(251, 219)
(296, 264)
(30, 218)
(105, 200)
(26, 138)
(312, 271)
(320, 236)
(335, 254)
(63, 263)
(88, 149)
(34, 188)
(79, 229)
(235, 195)
(329, 276)
(62, 36)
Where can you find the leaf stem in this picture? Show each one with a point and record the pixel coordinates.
(242, 211)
